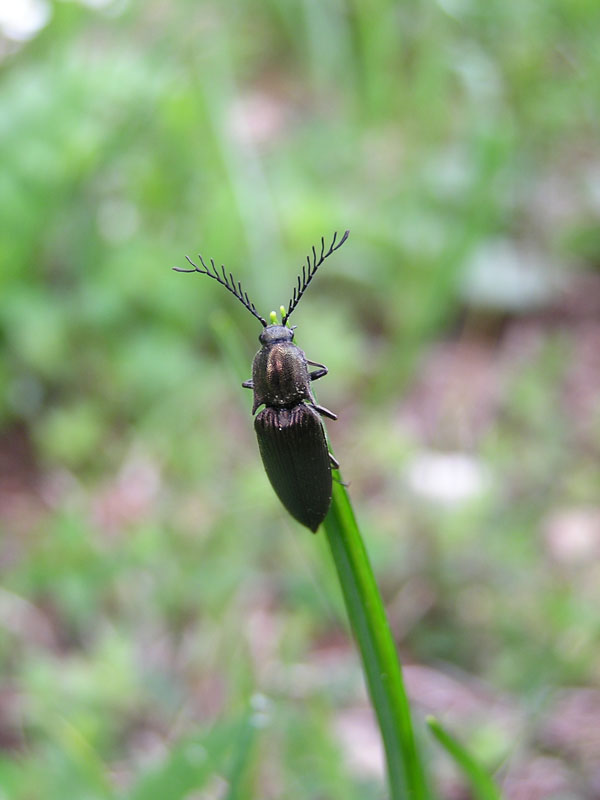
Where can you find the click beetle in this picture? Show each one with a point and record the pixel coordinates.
(291, 436)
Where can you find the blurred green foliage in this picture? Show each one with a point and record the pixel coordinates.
(152, 587)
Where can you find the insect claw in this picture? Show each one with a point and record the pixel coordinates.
(341, 483)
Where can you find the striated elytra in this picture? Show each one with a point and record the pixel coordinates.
(290, 433)
(294, 451)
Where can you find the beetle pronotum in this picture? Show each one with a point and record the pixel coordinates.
(291, 436)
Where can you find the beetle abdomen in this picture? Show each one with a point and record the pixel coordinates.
(296, 459)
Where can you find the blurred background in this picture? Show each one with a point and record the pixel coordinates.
(166, 630)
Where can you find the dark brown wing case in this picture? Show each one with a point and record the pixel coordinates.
(295, 456)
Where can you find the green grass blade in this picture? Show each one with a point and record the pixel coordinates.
(240, 772)
(83, 755)
(481, 783)
(378, 651)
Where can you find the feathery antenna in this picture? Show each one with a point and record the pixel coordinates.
(228, 282)
(309, 269)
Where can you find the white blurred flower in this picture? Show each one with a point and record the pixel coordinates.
(22, 19)
(447, 478)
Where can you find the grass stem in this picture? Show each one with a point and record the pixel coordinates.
(377, 649)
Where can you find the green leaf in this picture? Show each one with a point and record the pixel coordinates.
(482, 785)
(83, 755)
(377, 649)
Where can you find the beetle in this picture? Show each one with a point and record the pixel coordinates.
(290, 433)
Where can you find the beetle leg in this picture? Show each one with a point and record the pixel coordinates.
(334, 462)
(317, 373)
(249, 384)
(325, 412)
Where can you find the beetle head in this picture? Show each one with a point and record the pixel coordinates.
(276, 333)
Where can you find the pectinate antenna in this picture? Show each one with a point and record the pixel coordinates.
(309, 269)
(228, 282)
